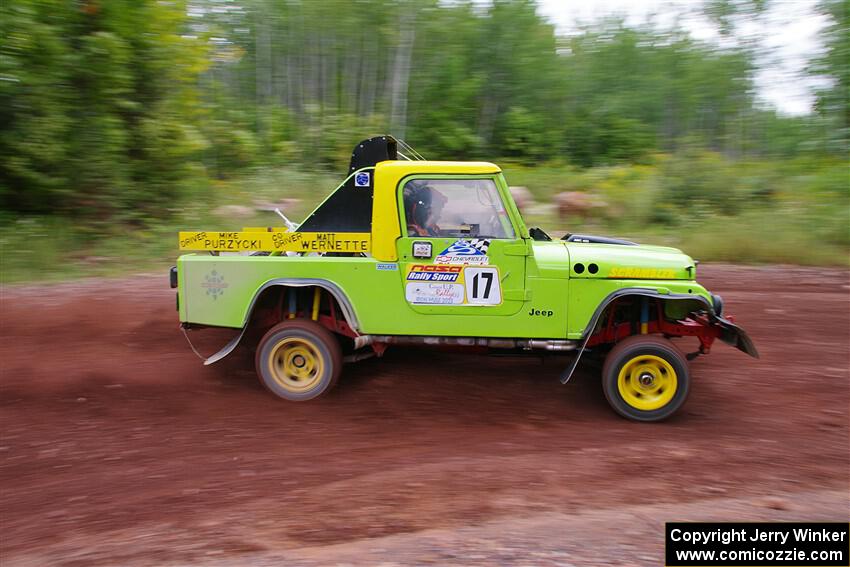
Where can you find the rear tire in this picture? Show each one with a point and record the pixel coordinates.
(298, 360)
(645, 378)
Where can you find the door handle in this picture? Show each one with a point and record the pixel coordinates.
(515, 250)
(517, 294)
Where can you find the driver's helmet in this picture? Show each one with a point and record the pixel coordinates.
(422, 205)
(417, 203)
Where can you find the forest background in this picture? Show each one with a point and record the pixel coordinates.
(123, 121)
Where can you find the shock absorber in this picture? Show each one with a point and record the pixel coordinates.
(644, 315)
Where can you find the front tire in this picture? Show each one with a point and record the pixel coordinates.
(298, 360)
(645, 378)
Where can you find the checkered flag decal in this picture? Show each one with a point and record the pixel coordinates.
(480, 244)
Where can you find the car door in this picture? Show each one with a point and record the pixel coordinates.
(460, 253)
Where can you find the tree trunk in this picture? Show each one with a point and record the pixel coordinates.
(401, 72)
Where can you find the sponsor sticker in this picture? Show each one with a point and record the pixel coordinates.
(472, 252)
(451, 284)
(361, 179)
(434, 273)
(386, 267)
(422, 249)
(429, 293)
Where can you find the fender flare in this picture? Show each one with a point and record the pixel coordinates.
(336, 292)
(733, 334)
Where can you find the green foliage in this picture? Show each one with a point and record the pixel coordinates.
(523, 135)
(834, 101)
(698, 184)
(107, 107)
(232, 147)
(600, 138)
(803, 221)
(714, 208)
(117, 114)
(97, 106)
(493, 80)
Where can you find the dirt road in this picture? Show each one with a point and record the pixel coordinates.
(119, 448)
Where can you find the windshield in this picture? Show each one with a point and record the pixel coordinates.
(455, 208)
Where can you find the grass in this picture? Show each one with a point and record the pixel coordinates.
(760, 212)
(53, 249)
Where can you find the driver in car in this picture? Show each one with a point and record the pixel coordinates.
(423, 206)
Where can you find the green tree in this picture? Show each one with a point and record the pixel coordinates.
(97, 106)
(833, 102)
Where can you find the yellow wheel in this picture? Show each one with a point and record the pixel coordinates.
(645, 378)
(298, 360)
(295, 364)
(647, 382)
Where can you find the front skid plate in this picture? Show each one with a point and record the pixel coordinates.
(733, 335)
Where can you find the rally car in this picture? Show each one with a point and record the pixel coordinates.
(407, 251)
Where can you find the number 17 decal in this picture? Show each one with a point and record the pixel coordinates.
(482, 286)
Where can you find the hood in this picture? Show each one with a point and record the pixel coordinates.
(629, 261)
(633, 262)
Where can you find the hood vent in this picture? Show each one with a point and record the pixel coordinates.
(587, 238)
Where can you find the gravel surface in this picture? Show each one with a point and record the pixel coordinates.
(119, 448)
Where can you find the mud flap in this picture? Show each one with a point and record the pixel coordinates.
(735, 336)
(228, 348)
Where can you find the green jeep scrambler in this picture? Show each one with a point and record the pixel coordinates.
(416, 252)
